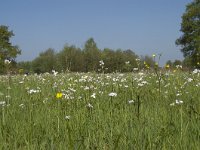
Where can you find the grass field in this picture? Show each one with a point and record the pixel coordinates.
(100, 111)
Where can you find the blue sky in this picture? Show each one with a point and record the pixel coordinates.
(145, 26)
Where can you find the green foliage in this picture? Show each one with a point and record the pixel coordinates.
(190, 26)
(74, 59)
(91, 55)
(7, 50)
(70, 59)
(148, 61)
(45, 62)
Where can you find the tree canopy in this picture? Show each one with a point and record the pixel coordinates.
(7, 50)
(190, 26)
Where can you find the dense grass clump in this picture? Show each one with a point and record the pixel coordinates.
(100, 111)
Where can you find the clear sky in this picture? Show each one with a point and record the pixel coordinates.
(145, 26)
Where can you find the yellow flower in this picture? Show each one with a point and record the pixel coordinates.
(59, 95)
(198, 63)
(167, 66)
(147, 66)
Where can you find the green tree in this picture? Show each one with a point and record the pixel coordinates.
(70, 59)
(7, 50)
(177, 62)
(91, 55)
(24, 66)
(190, 26)
(147, 61)
(170, 63)
(45, 62)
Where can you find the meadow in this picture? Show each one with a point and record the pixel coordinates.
(100, 111)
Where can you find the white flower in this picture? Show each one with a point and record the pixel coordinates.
(101, 63)
(54, 72)
(89, 105)
(140, 84)
(93, 95)
(190, 79)
(86, 88)
(32, 91)
(172, 104)
(196, 71)
(112, 94)
(6, 61)
(131, 101)
(2, 103)
(126, 86)
(135, 69)
(127, 62)
(179, 66)
(67, 117)
(21, 105)
(179, 102)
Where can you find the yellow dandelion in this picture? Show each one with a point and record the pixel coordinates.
(59, 95)
(167, 66)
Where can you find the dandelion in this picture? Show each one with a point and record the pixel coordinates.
(112, 94)
(59, 95)
(167, 66)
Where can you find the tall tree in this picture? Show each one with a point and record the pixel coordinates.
(70, 58)
(190, 26)
(92, 55)
(7, 50)
(45, 62)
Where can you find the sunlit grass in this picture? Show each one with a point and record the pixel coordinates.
(100, 111)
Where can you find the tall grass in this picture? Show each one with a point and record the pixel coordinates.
(137, 117)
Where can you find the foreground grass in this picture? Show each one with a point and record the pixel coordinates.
(100, 111)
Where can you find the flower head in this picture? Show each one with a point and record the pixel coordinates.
(59, 95)
(7, 62)
(167, 66)
(112, 94)
(67, 117)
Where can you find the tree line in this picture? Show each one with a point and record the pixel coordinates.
(88, 59)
